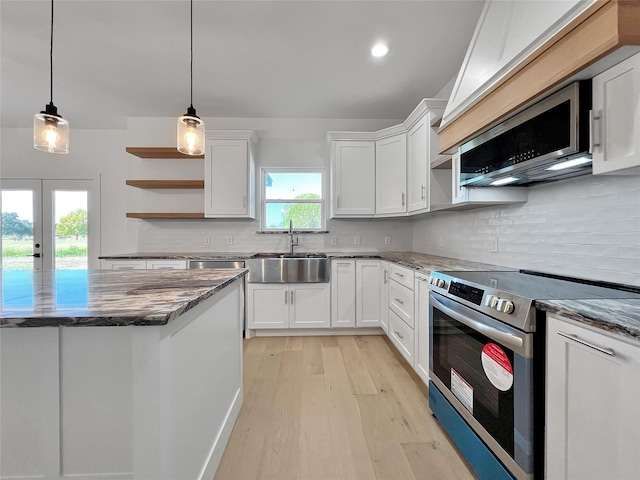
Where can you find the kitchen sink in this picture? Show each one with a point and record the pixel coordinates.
(288, 268)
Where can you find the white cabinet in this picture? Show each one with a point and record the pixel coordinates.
(421, 328)
(401, 311)
(482, 196)
(506, 34)
(616, 124)
(355, 293)
(368, 293)
(353, 171)
(144, 264)
(343, 293)
(229, 174)
(391, 175)
(288, 305)
(593, 403)
(384, 296)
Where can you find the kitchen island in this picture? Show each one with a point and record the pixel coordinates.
(119, 374)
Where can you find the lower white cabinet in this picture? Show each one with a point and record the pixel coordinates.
(592, 404)
(355, 293)
(288, 305)
(421, 327)
(144, 264)
(401, 311)
(402, 336)
(384, 296)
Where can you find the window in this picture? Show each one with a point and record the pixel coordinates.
(294, 195)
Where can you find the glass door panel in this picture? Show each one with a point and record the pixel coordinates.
(70, 234)
(21, 225)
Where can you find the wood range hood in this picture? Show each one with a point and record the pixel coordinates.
(602, 29)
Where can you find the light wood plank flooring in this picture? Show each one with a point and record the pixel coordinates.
(335, 408)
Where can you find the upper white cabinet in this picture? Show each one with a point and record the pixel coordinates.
(353, 173)
(506, 34)
(593, 403)
(616, 121)
(391, 175)
(229, 174)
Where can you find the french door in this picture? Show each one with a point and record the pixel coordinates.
(50, 224)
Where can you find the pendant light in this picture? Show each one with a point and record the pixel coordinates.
(50, 130)
(190, 127)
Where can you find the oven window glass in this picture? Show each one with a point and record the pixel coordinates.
(459, 348)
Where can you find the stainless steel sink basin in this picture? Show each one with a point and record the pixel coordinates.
(288, 268)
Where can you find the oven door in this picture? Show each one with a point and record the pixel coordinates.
(485, 370)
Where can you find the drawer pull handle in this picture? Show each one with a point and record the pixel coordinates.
(606, 351)
(398, 300)
(398, 274)
(398, 334)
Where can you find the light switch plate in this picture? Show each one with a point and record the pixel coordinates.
(493, 247)
(387, 240)
(334, 240)
(356, 240)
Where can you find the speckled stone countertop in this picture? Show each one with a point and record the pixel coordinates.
(177, 256)
(106, 297)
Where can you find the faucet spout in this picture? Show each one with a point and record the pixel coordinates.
(292, 242)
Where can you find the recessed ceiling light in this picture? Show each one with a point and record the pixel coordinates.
(379, 49)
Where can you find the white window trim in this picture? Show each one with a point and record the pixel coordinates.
(263, 200)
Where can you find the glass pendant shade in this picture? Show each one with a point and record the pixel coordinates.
(50, 131)
(190, 133)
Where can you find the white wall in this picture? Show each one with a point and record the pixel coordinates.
(587, 227)
(283, 143)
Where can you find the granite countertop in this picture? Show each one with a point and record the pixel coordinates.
(177, 256)
(106, 297)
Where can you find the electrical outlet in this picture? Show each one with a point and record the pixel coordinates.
(207, 241)
(356, 240)
(441, 242)
(493, 247)
(229, 240)
(334, 240)
(387, 240)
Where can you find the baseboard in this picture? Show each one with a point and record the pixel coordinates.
(314, 332)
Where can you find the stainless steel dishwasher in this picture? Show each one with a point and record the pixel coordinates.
(199, 264)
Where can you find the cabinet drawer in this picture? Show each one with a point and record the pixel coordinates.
(402, 275)
(401, 336)
(401, 302)
(167, 264)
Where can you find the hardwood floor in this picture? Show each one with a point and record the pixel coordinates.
(334, 408)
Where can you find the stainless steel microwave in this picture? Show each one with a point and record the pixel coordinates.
(548, 141)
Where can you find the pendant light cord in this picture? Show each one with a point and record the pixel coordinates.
(191, 65)
(51, 59)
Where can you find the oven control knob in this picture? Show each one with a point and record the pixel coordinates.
(505, 306)
(491, 301)
(440, 283)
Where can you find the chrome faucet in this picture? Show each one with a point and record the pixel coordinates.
(292, 242)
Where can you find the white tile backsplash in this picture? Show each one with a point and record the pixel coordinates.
(587, 227)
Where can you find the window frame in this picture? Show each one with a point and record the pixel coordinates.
(264, 171)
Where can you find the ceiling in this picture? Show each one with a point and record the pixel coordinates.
(289, 59)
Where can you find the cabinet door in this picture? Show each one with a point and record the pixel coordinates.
(343, 293)
(228, 179)
(418, 166)
(353, 177)
(616, 106)
(384, 296)
(268, 305)
(421, 332)
(310, 305)
(367, 293)
(391, 175)
(124, 264)
(593, 404)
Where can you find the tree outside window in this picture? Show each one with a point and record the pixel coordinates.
(293, 196)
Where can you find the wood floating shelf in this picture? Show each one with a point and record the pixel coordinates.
(166, 216)
(160, 152)
(178, 184)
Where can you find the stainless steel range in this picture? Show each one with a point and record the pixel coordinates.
(487, 344)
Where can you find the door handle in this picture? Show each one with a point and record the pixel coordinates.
(285, 297)
(36, 255)
(403, 199)
(423, 192)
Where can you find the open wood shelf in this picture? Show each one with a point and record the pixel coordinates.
(182, 184)
(168, 216)
(160, 152)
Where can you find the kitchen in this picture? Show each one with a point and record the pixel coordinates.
(583, 227)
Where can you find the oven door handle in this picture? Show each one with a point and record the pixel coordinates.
(497, 335)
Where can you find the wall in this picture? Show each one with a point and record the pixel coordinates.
(283, 143)
(586, 227)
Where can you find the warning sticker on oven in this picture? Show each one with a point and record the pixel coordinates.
(462, 390)
(497, 367)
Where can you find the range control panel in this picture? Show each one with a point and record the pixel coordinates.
(466, 292)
